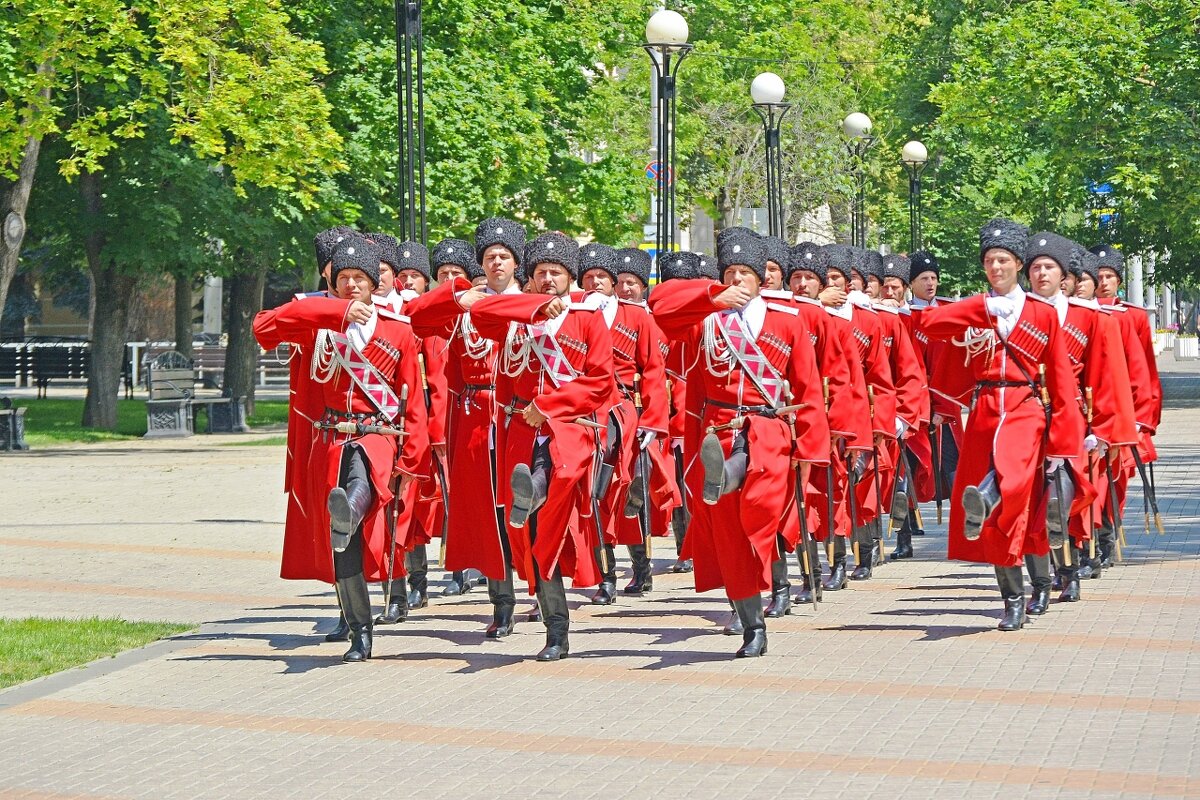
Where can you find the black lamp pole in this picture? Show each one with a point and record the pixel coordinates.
(914, 169)
(410, 104)
(666, 59)
(858, 147)
(772, 115)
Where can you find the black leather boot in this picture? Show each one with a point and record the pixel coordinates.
(904, 548)
(679, 523)
(606, 592)
(722, 475)
(529, 485)
(397, 608)
(734, 626)
(642, 580)
(340, 633)
(837, 570)
(1039, 579)
(1069, 577)
(866, 554)
(417, 564)
(552, 598)
(1012, 589)
(347, 506)
(754, 627)
(504, 602)
(781, 590)
(357, 609)
(457, 585)
(806, 583)
(978, 504)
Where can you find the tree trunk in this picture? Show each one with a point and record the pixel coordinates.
(183, 315)
(241, 356)
(111, 294)
(16, 200)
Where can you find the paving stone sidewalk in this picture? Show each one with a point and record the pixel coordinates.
(897, 687)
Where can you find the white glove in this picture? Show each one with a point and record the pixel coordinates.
(1090, 442)
(901, 428)
(1053, 464)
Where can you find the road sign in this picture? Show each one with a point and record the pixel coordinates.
(656, 174)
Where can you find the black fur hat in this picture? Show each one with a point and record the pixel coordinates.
(896, 266)
(807, 256)
(1110, 257)
(736, 230)
(708, 267)
(923, 261)
(678, 266)
(597, 256)
(1005, 234)
(414, 256)
(777, 251)
(839, 257)
(387, 248)
(356, 252)
(635, 261)
(497, 230)
(458, 252)
(1089, 264)
(744, 251)
(552, 248)
(327, 241)
(867, 263)
(1046, 243)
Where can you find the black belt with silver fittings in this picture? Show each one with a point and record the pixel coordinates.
(467, 398)
(352, 424)
(743, 410)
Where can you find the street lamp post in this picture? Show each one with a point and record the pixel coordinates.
(767, 91)
(666, 44)
(856, 128)
(915, 157)
(410, 106)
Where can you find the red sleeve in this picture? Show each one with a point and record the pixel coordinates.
(879, 378)
(848, 399)
(1146, 342)
(908, 376)
(678, 306)
(1141, 379)
(299, 319)
(1106, 373)
(492, 315)
(265, 330)
(435, 313)
(812, 425)
(435, 348)
(654, 376)
(413, 458)
(1066, 423)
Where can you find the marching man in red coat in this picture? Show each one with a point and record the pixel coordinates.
(1022, 423)
(555, 381)
(757, 395)
(364, 360)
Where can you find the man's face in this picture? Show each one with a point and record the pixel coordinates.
(630, 287)
(499, 265)
(1045, 276)
(412, 280)
(448, 272)
(856, 281)
(744, 277)
(925, 286)
(387, 279)
(1085, 288)
(1069, 283)
(836, 278)
(597, 280)
(774, 276)
(551, 279)
(1001, 268)
(805, 284)
(479, 281)
(1109, 283)
(353, 284)
(893, 289)
(874, 287)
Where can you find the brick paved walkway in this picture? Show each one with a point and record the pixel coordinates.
(897, 687)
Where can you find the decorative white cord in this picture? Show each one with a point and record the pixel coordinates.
(718, 359)
(975, 341)
(324, 365)
(514, 360)
(475, 346)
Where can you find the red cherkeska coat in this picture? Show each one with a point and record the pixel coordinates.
(470, 379)
(930, 352)
(565, 535)
(733, 542)
(1006, 428)
(392, 350)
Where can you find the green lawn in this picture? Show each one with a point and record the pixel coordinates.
(33, 647)
(54, 421)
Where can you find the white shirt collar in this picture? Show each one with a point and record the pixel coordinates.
(362, 333)
(1060, 305)
(609, 310)
(754, 314)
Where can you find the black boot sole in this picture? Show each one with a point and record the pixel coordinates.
(976, 511)
(522, 496)
(712, 458)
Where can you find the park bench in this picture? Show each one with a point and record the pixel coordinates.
(177, 392)
(12, 426)
(59, 361)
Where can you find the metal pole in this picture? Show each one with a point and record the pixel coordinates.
(414, 19)
(664, 71)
